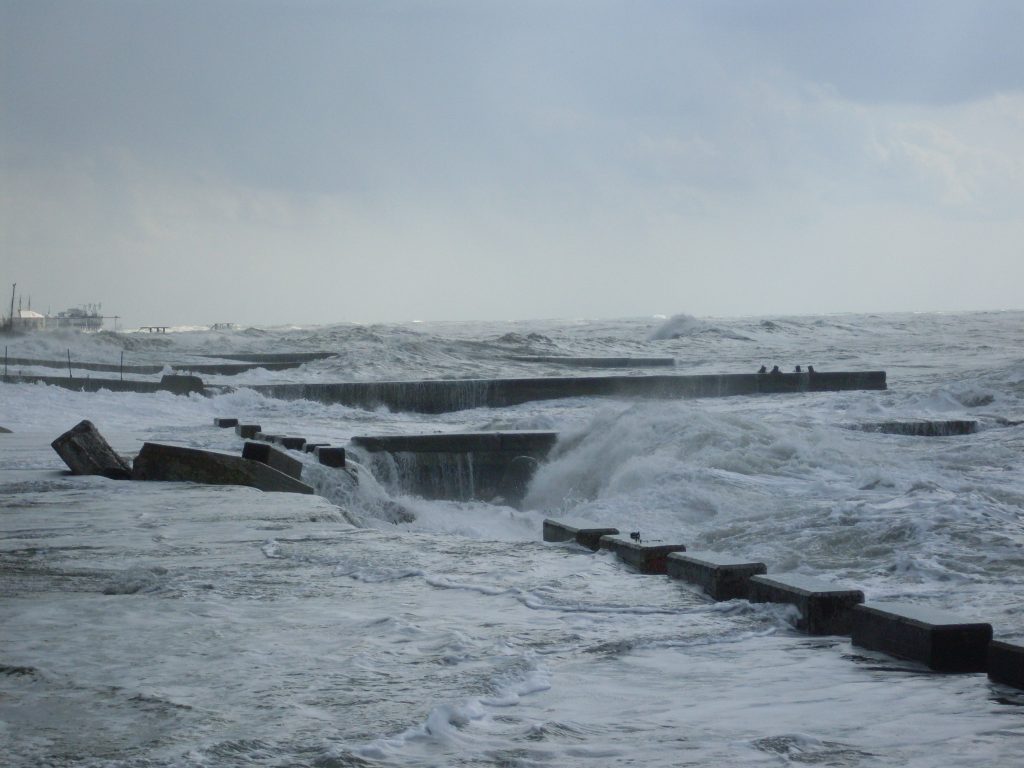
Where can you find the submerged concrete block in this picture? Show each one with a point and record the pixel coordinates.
(646, 558)
(311, 447)
(157, 461)
(1006, 663)
(824, 608)
(224, 423)
(86, 452)
(272, 457)
(247, 431)
(290, 442)
(580, 532)
(180, 384)
(924, 428)
(722, 577)
(943, 641)
(331, 456)
(265, 437)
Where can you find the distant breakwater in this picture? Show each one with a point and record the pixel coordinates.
(442, 396)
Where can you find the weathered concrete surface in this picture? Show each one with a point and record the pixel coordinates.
(247, 431)
(825, 609)
(157, 461)
(598, 362)
(579, 532)
(1006, 663)
(272, 457)
(923, 428)
(331, 456)
(224, 423)
(722, 577)
(943, 641)
(453, 395)
(86, 452)
(646, 558)
(459, 466)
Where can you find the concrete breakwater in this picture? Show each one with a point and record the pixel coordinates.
(442, 396)
(941, 641)
(597, 362)
(223, 369)
(174, 383)
(458, 466)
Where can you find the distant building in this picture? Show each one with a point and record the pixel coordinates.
(27, 320)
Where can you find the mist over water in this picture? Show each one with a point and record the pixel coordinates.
(168, 624)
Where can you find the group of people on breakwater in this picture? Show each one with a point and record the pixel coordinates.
(776, 372)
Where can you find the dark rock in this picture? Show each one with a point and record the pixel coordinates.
(943, 641)
(181, 384)
(224, 423)
(272, 457)
(646, 558)
(331, 456)
(1006, 663)
(577, 531)
(247, 431)
(722, 577)
(157, 461)
(85, 452)
(4, 431)
(824, 608)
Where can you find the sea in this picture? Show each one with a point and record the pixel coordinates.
(150, 625)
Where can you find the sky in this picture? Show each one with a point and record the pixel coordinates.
(301, 161)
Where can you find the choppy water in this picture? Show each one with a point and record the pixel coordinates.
(164, 624)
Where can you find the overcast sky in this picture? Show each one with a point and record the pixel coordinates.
(195, 161)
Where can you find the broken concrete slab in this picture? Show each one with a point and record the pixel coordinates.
(311, 447)
(646, 558)
(158, 461)
(331, 456)
(290, 442)
(825, 609)
(942, 640)
(247, 431)
(722, 577)
(86, 452)
(272, 457)
(1006, 663)
(578, 531)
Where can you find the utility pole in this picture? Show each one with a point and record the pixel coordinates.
(10, 322)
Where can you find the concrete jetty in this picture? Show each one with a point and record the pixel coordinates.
(722, 577)
(943, 641)
(459, 466)
(441, 396)
(597, 362)
(578, 531)
(825, 609)
(646, 558)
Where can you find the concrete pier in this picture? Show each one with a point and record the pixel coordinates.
(157, 461)
(1006, 663)
(646, 558)
(247, 431)
(825, 609)
(576, 531)
(272, 457)
(943, 641)
(722, 577)
(459, 466)
(442, 396)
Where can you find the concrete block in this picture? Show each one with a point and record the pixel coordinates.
(180, 384)
(86, 452)
(331, 456)
(944, 641)
(247, 431)
(722, 577)
(311, 447)
(265, 437)
(580, 532)
(1006, 663)
(646, 558)
(824, 608)
(290, 442)
(924, 428)
(224, 423)
(272, 457)
(157, 461)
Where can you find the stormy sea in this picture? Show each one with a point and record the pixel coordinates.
(147, 624)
